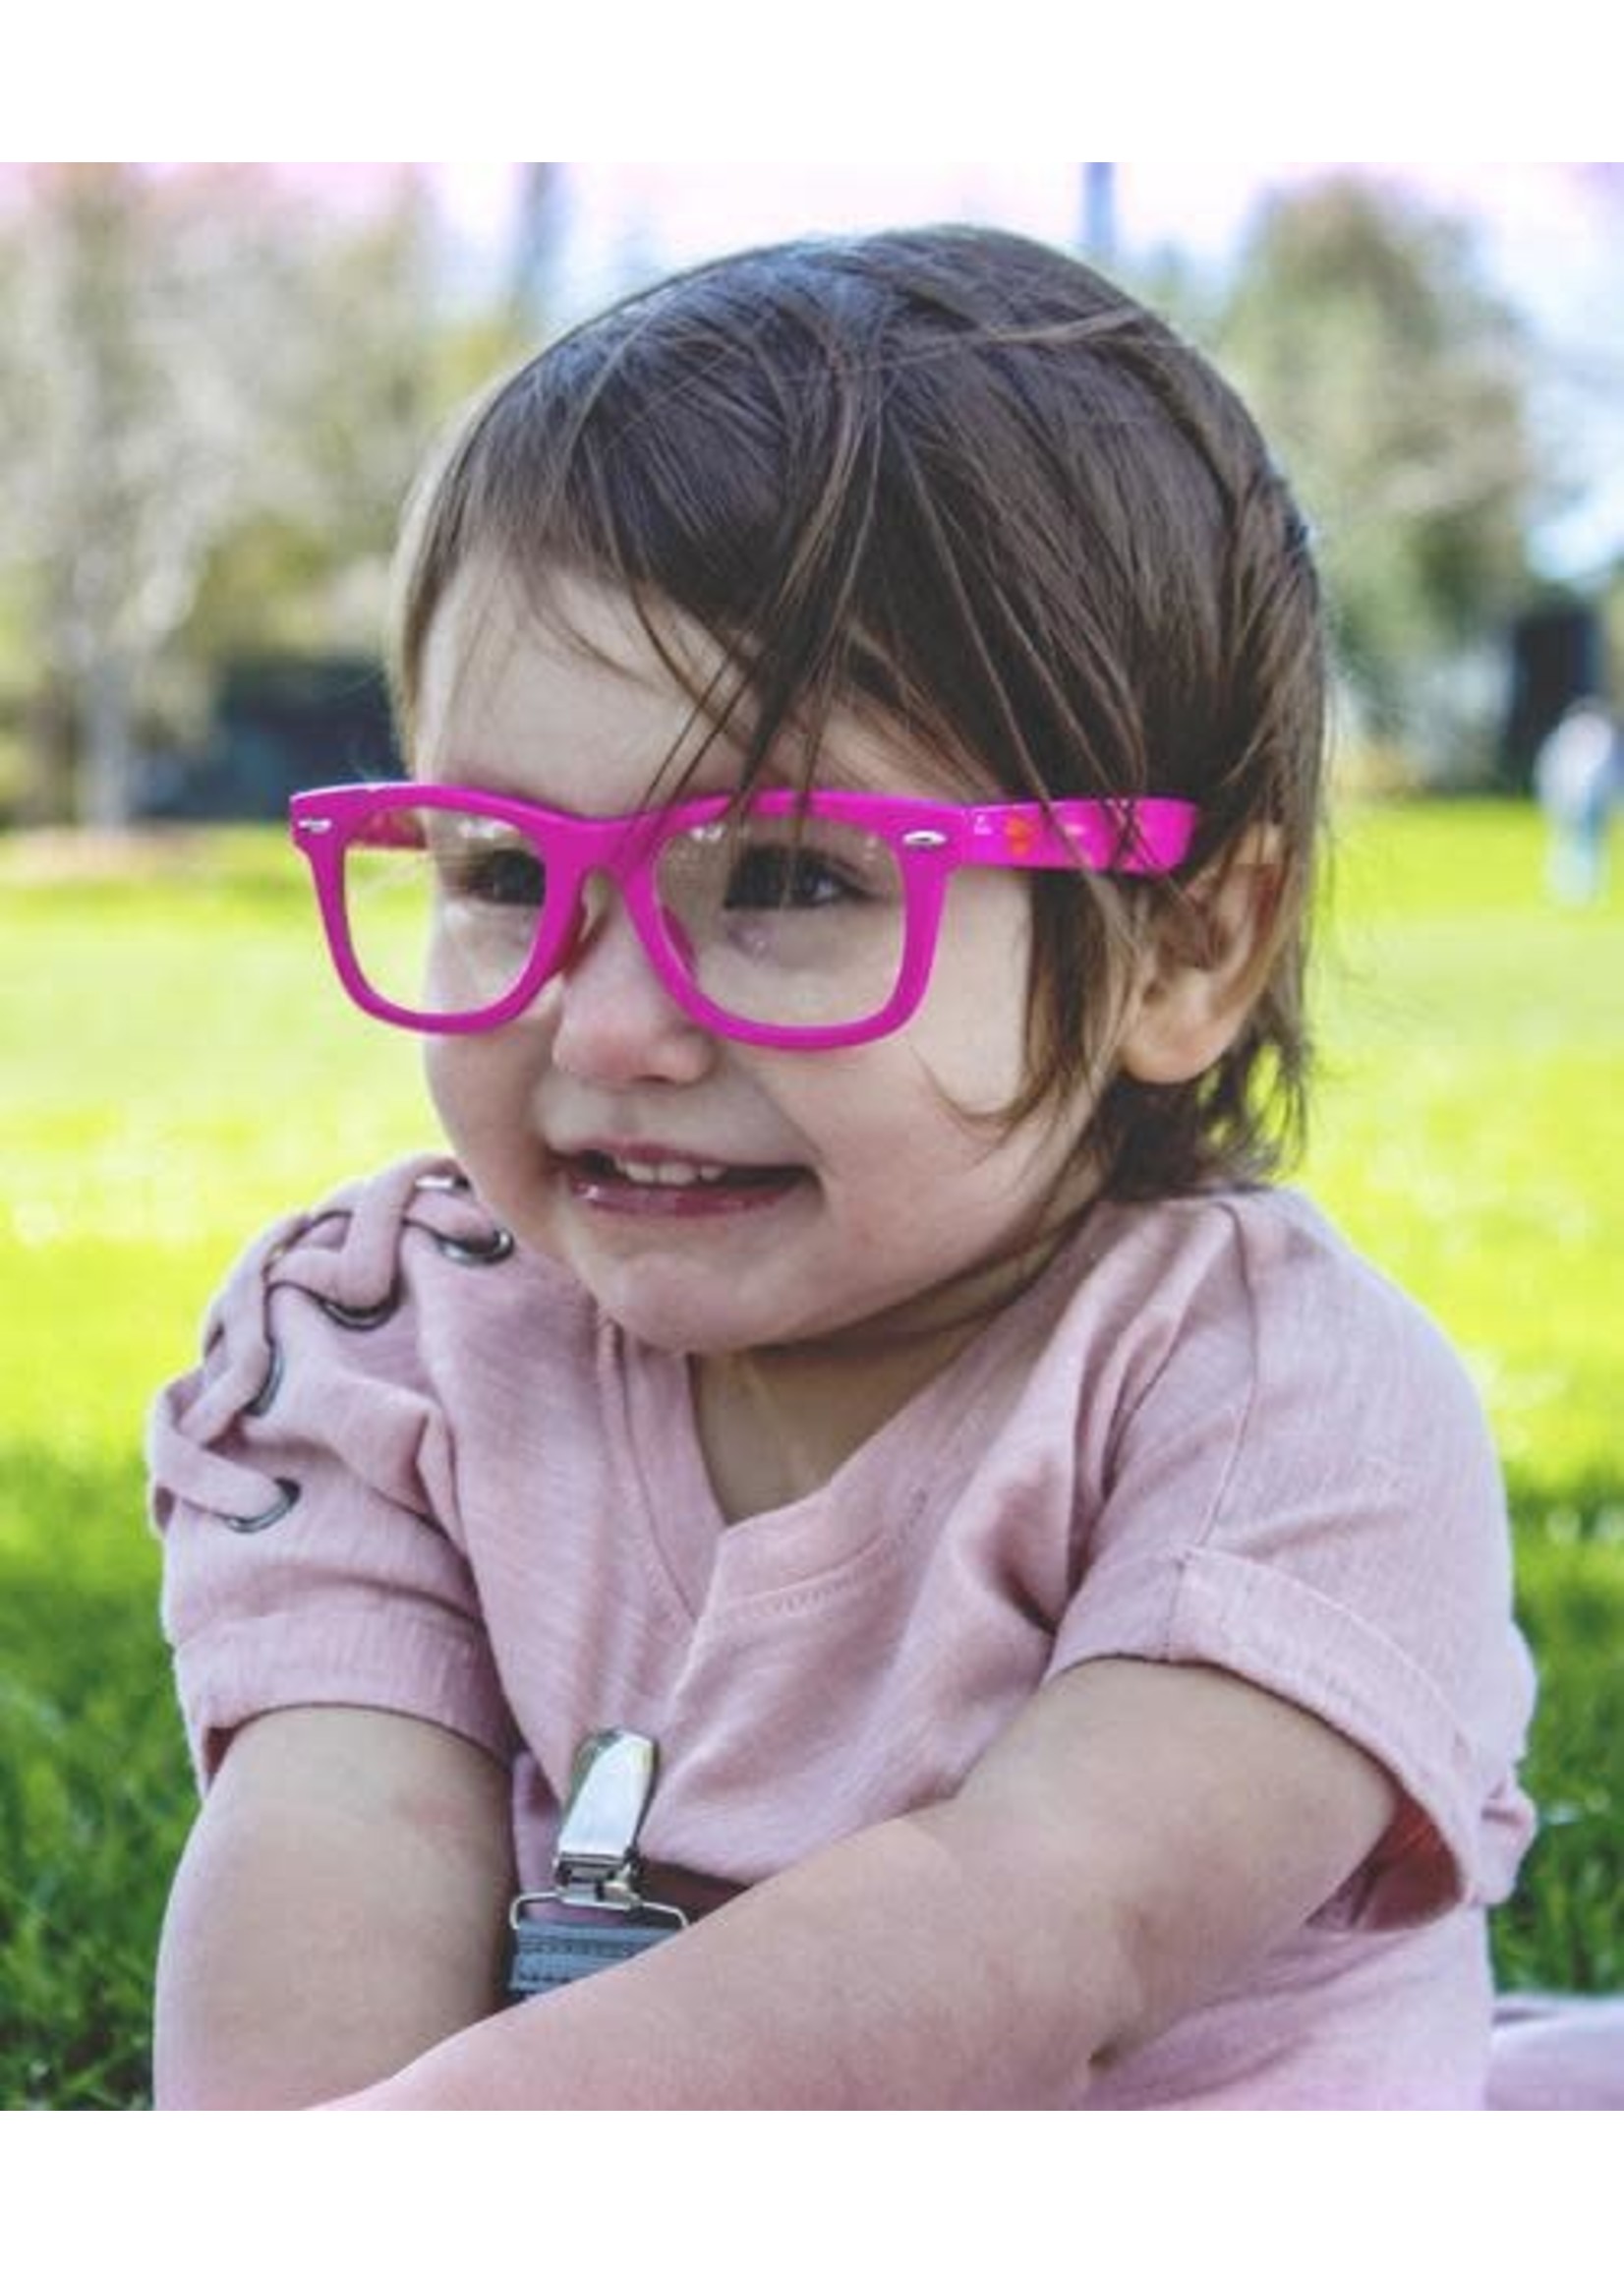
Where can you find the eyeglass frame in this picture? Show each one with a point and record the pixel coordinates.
(928, 841)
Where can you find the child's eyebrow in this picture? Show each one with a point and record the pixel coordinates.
(506, 774)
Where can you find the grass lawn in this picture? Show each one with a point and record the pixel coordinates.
(175, 1068)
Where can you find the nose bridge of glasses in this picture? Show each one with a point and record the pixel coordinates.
(614, 895)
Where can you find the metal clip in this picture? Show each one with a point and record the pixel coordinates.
(610, 1785)
(596, 1865)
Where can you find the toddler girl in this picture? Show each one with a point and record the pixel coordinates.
(848, 1546)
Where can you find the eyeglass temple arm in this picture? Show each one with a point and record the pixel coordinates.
(1133, 835)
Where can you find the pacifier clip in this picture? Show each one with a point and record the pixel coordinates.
(596, 1914)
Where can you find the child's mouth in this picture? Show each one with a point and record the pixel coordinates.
(668, 1185)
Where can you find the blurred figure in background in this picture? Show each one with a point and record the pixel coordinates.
(1578, 777)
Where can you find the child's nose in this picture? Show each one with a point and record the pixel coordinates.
(615, 1025)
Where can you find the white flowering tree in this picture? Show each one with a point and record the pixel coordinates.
(191, 352)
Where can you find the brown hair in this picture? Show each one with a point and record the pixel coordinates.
(954, 475)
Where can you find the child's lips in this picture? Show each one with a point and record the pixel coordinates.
(653, 1181)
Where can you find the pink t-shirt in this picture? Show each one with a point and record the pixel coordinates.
(415, 1472)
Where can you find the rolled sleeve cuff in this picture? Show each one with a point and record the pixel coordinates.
(1261, 1624)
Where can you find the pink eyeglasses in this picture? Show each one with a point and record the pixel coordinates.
(798, 921)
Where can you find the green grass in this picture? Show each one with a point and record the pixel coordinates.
(1470, 1135)
(175, 1068)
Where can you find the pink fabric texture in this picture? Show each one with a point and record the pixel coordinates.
(414, 1474)
(1557, 2053)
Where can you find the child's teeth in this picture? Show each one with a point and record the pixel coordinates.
(668, 1173)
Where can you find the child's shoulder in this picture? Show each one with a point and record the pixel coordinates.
(351, 1247)
(357, 1248)
(393, 1263)
(1270, 1236)
(1267, 1270)
(366, 1324)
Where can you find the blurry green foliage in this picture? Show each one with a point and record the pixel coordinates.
(216, 385)
(1393, 384)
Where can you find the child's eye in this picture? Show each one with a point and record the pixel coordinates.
(501, 877)
(782, 876)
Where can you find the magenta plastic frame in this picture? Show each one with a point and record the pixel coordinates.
(1144, 835)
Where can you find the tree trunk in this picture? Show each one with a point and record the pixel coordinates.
(50, 738)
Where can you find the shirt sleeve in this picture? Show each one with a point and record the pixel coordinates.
(1303, 1490)
(302, 1482)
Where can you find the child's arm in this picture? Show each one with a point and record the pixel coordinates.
(339, 1908)
(1138, 1834)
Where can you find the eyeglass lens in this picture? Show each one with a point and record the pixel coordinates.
(790, 920)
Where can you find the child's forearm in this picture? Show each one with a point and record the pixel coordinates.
(1137, 1835)
(888, 1973)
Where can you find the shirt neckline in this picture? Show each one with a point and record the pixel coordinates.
(820, 1533)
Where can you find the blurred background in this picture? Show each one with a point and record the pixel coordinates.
(216, 382)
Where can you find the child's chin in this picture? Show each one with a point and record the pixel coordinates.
(683, 1328)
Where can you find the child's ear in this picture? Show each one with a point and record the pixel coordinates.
(1204, 966)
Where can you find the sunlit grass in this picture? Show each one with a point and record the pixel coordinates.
(1471, 1129)
(177, 1067)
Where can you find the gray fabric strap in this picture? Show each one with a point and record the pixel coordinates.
(551, 1952)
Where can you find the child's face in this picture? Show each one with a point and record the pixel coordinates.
(712, 1195)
